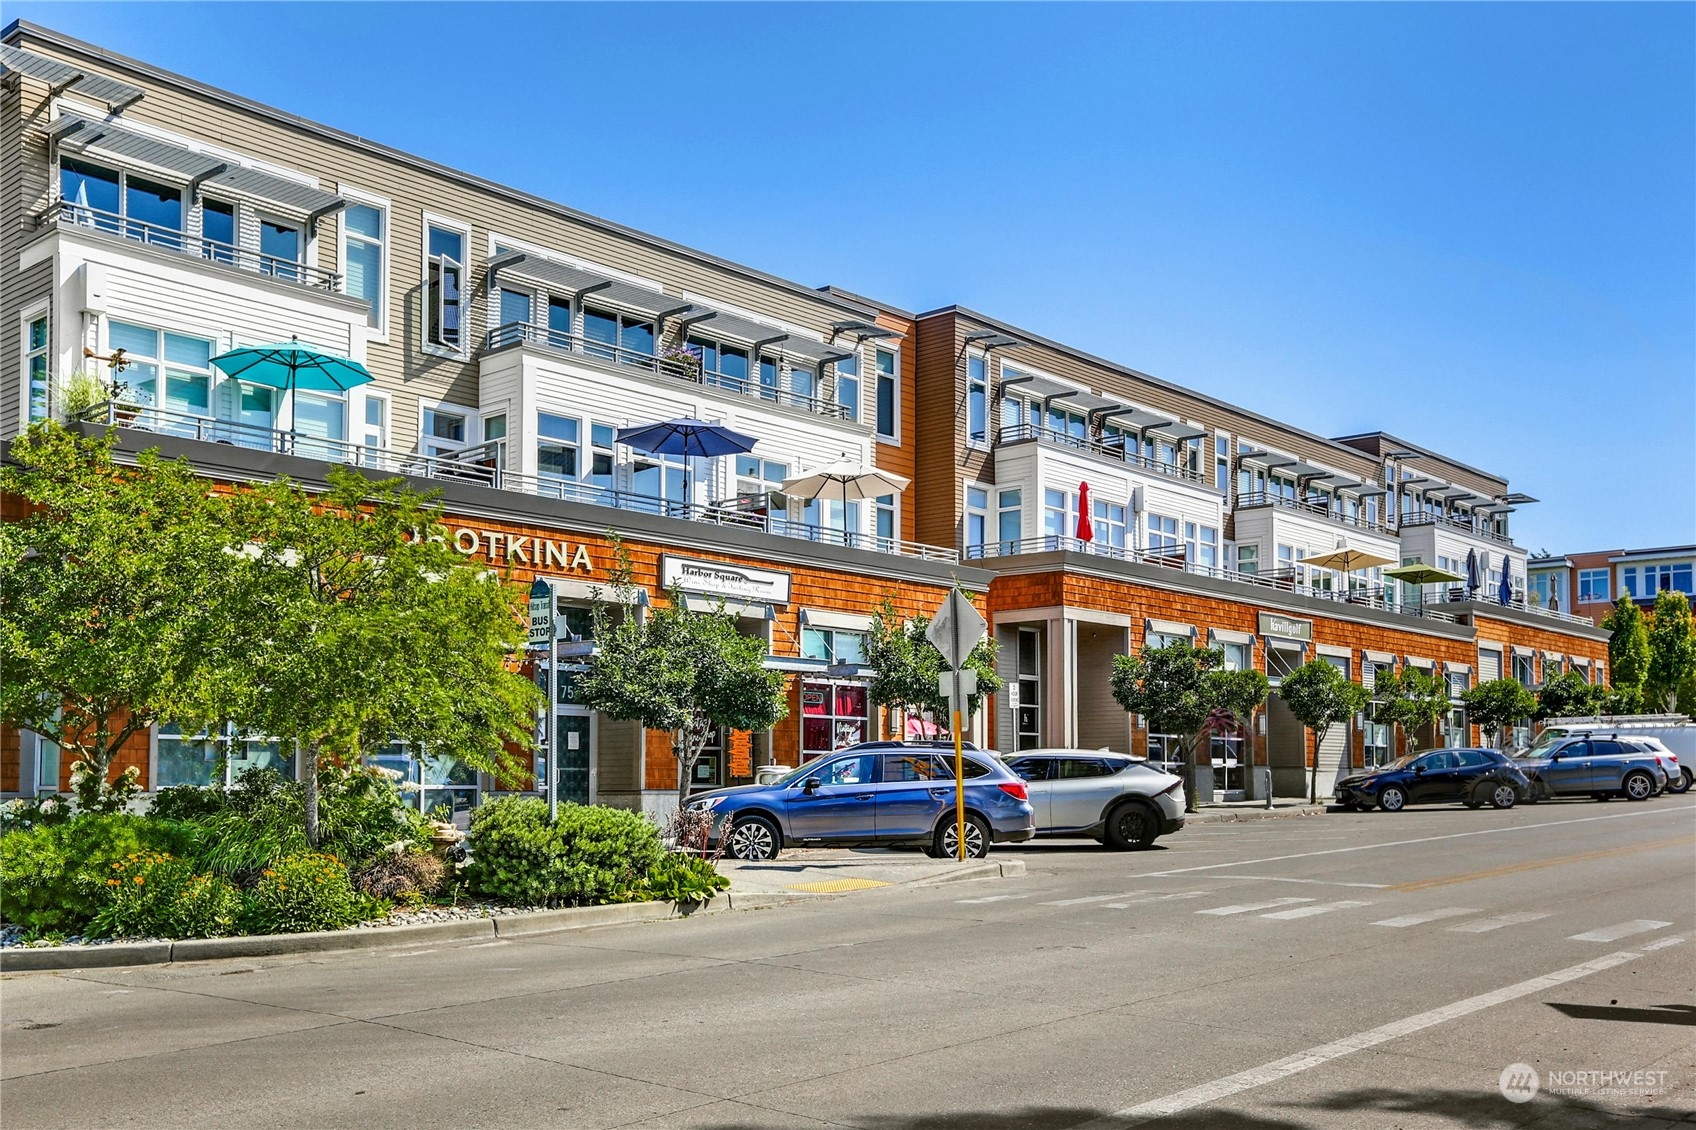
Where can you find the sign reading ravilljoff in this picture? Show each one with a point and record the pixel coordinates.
(716, 578)
(1290, 628)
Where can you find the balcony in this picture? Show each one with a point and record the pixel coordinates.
(1364, 596)
(65, 214)
(679, 366)
(1117, 452)
(1250, 500)
(1459, 595)
(1452, 523)
(483, 465)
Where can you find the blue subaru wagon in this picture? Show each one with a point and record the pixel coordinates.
(874, 794)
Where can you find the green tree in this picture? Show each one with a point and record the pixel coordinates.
(1672, 650)
(375, 629)
(1567, 696)
(682, 671)
(118, 608)
(1320, 696)
(1237, 694)
(1628, 651)
(1168, 686)
(1411, 699)
(1497, 704)
(906, 666)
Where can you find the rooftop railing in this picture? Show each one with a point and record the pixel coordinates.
(68, 214)
(1450, 521)
(1109, 449)
(1249, 500)
(681, 366)
(484, 465)
(1460, 594)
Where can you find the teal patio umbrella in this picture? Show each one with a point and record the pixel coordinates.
(292, 367)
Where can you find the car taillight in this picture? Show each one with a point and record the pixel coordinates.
(1178, 784)
(1016, 790)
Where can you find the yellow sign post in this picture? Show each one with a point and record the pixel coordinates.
(955, 631)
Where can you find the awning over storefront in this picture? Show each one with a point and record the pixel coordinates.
(836, 621)
(1223, 635)
(741, 609)
(796, 664)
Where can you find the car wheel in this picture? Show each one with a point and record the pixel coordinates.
(753, 838)
(1392, 798)
(1503, 795)
(1638, 785)
(946, 844)
(1476, 798)
(1131, 826)
(1681, 784)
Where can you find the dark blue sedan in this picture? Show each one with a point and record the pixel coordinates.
(1474, 777)
(879, 793)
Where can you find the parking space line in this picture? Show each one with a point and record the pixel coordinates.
(1496, 922)
(1424, 916)
(1310, 882)
(1310, 911)
(1620, 930)
(1245, 907)
(991, 898)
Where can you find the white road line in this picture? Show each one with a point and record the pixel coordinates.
(1422, 840)
(1245, 907)
(1496, 922)
(1157, 898)
(1661, 944)
(991, 898)
(1621, 930)
(1092, 898)
(1280, 1069)
(1313, 882)
(1310, 911)
(1424, 916)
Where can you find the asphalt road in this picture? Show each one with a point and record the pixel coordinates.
(1349, 970)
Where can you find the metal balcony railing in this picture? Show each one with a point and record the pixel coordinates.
(1451, 522)
(1249, 500)
(68, 214)
(682, 365)
(1488, 596)
(485, 465)
(1118, 452)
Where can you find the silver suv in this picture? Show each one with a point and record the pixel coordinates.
(1122, 801)
(1597, 763)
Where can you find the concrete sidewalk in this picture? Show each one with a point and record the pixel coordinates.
(1227, 811)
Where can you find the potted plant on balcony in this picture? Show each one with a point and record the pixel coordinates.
(79, 392)
(681, 361)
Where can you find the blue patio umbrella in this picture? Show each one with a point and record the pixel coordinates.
(1505, 592)
(1472, 570)
(292, 366)
(686, 436)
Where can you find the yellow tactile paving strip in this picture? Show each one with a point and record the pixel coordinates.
(832, 886)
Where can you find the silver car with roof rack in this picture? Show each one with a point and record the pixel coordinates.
(1122, 801)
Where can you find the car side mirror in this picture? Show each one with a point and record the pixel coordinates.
(810, 785)
(1418, 769)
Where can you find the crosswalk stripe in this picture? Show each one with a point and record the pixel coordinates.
(1158, 898)
(1485, 925)
(1092, 898)
(992, 898)
(1425, 916)
(1245, 907)
(1310, 911)
(1621, 930)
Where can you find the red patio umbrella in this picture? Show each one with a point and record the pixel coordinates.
(1086, 528)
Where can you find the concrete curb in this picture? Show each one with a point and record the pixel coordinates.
(987, 869)
(1233, 815)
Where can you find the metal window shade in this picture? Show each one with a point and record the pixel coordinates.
(1169, 628)
(640, 300)
(729, 327)
(1489, 665)
(63, 76)
(1379, 656)
(278, 192)
(1134, 419)
(78, 134)
(806, 349)
(556, 278)
(1178, 432)
(837, 621)
(1221, 635)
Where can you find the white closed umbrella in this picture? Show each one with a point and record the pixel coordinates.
(848, 480)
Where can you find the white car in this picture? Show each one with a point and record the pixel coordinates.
(1125, 802)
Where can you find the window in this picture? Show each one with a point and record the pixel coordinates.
(1027, 720)
(1057, 521)
(1162, 533)
(904, 767)
(1010, 522)
(1592, 586)
(363, 228)
(444, 431)
(256, 407)
(218, 230)
(617, 337)
(559, 323)
(556, 446)
(122, 203)
(1522, 673)
(888, 424)
(1238, 656)
(494, 428)
(723, 366)
(834, 715)
(320, 425)
(803, 386)
(93, 188)
(280, 247)
(601, 463)
(36, 367)
(760, 478)
(834, 645)
(977, 520)
(977, 401)
(196, 760)
(883, 518)
(848, 385)
(167, 370)
(375, 433)
(1222, 463)
(1676, 577)
(1543, 588)
(514, 307)
(1248, 560)
(443, 287)
(1109, 523)
(1201, 545)
(664, 478)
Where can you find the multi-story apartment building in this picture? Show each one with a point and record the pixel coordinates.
(1589, 583)
(511, 337)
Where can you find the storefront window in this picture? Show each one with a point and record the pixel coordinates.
(833, 716)
(207, 760)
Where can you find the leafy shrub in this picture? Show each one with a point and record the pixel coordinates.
(593, 854)
(678, 877)
(305, 891)
(153, 894)
(95, 793)
(405, 876)
(51, 875)
(187, 802)
(25, 813)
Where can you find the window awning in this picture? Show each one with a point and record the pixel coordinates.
(78, 134)
(1135, 419)
(1224, 635)
(1179, 432)
(743, 331)
(63, 76)
(802, 348)
(556, 278)
(1378, 656)
(279, 192)
(1168, 628)
(796, 664)
(1032, 385)
(741, 609)
(838, 621)
(1425, 664)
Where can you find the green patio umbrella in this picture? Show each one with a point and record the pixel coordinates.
(1422, 575)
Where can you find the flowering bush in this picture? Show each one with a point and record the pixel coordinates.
(25, 813)
(152, 894)
(95, 795)
(306, 891)
(51, 875)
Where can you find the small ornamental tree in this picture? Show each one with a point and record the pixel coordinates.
(1628, 652)
(1167, 685)
(1320, 696)
(906, 666)
(1497, 704)
(1567, 696)
(118, 599)
(682, 671)
(1672, 650)
(1411, 699)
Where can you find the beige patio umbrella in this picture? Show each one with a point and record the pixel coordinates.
(1348, 560)
(849, 480)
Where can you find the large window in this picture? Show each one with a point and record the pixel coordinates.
(444, 287)
(1522, 671)
(1162, 534)
(1643, 582)
(888, 397)
(218, 230)
(1201, 545)
(977, 401)
(833, 715)
(834, 645)
(36, 366)
(320, 425)
(514, 307)
(759, 480)
(363, 227)
(444, 430)
(1592, 586)
(977, 520)
(281, 245)
(207, 759)
(848, 385)
(122, 203)
(724, 366)
(1057, 519)
(168, 370)
(1109, 523)
(1009, 529)
(1248, 560)
(617, 337)
(556, 446)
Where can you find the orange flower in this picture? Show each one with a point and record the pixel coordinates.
(111, 882)
(139, 880)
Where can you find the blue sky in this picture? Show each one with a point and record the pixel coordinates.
(1470, 225)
